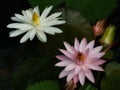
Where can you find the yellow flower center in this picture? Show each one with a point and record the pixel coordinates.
(36, 19)
(80, 57)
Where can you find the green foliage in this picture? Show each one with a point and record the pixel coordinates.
(44, 85)
(93, 10)
(112, 80)
(109, 55)
(43, 3)
(33, 70)
(111, 67)
(88, 87)
(81, 26)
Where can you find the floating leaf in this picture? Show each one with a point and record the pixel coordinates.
(93, 10)
(44, 85)
(112, 79)
(88, 87)
(34, 70)
(109, 55)
(111, 67)
(43, 3)
(77, 25)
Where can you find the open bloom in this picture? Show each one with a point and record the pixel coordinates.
(33, 24)
(79, 60)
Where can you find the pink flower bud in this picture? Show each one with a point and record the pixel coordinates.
(98, 29)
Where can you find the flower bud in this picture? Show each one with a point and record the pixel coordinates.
(98, 29)
(108, 35)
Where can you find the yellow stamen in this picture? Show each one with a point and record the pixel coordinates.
(81, 57)
(36, 18)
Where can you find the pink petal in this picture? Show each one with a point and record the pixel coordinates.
(98, 55)
(97, 49)
(90, 45)
(81, 77)
(77, 70)
(62, 57)
(66, 53)
(70, 67)
(98, 62)
(95, 67)
(63, 63)
(83, 45)
(76, 44)
(75, 79)
(90, 76)
(91, 59)
(63, 74)
(70, 76)
(70, 48)
(86, 53)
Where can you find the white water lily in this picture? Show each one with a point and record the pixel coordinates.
(32, 23)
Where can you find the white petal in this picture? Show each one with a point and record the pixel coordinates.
(63, 63)
(22, 18)
(81, 77)
(70, 76)
(54, 22)
(32, 34)
(29, 15)
(52, 30)
(46, 12)
(41, 36)
(52, 17)
(90, 76)
(26, 17)
(16, 19)
(20, 26)
(70, 67)
(25, 37)
(36, 9)
(63, 74)
(16, 33)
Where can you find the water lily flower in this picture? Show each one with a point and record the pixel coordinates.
(34, 24)
(79, 61)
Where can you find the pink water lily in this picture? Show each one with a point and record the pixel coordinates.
(79, 60)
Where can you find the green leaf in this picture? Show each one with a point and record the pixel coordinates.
(76, 23)
(34, 70)
(88, 87)
(111, 67)
(44, 85)
(109, 55)
(112, 79)
(44, 3)
(93, 10)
